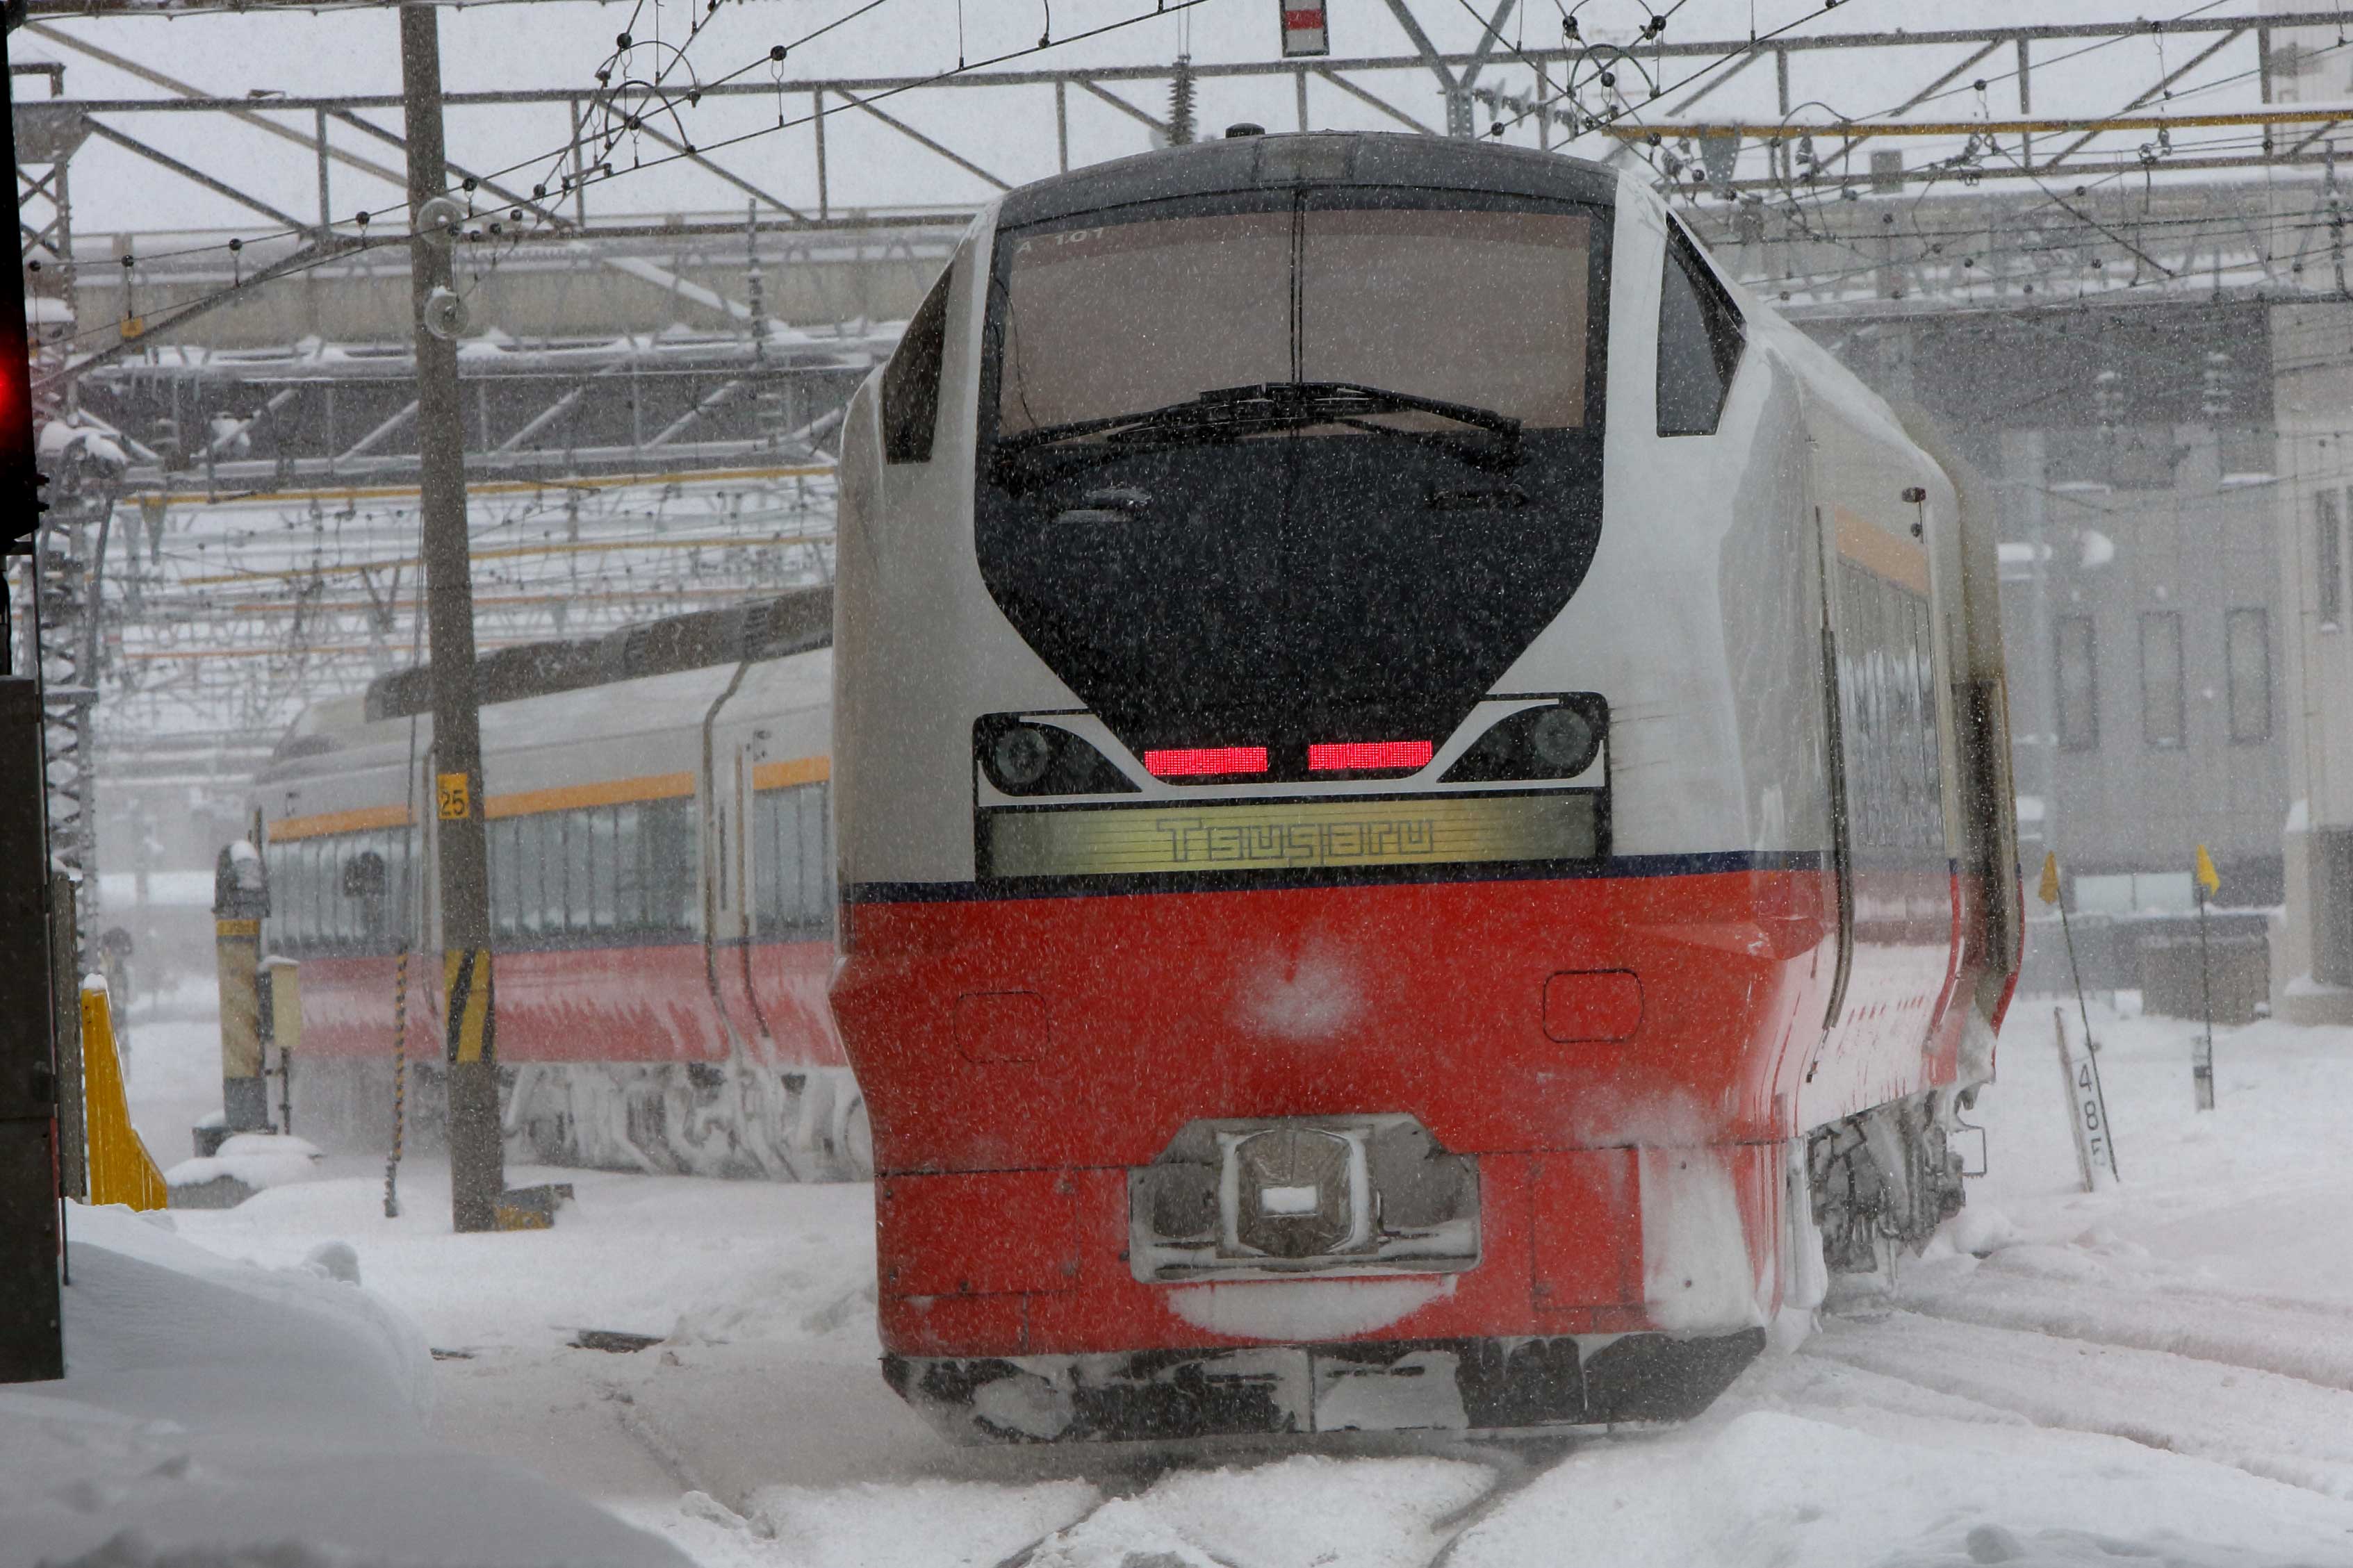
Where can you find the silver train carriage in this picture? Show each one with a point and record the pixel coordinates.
(662, 899)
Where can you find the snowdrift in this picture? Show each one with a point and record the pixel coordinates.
(214, 1411)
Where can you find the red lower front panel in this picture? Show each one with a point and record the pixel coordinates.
(1623, 1055)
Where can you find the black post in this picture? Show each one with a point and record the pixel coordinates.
(477, 1160)
(32, 1340)
(32, 1207)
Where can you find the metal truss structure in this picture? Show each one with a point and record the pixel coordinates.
(262, 537)
(1781, 132)
(316, 412)
(223, 615)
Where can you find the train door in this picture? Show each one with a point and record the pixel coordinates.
(1888, 723)
(728, 894)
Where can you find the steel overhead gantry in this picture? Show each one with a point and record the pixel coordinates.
(1659, 80)
(1565, 95)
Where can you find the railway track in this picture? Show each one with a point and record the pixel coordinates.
(2263, 1384)
(1404, 1508)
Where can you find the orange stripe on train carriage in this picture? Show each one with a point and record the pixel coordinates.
(1877, 549)
(799, 770)
(610, 792)
(331, 822)
(563, 798)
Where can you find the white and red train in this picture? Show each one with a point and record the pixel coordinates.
(661, 897)
(1422, 798)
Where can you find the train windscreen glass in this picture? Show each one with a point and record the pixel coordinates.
(1485, 308)
(1291, 470)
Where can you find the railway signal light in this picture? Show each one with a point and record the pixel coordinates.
(1305, 31)
(20, 480)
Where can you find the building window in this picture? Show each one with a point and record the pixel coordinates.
(2328, 556)
(2160, 678)
(2079, 684)
(2247, 650)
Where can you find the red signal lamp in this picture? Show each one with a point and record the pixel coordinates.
(1369, 756)
(1204, 762)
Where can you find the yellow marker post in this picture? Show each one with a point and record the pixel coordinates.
(121, 1169)
(2201, 1058)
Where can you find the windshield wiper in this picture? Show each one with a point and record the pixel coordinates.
(1489, 440)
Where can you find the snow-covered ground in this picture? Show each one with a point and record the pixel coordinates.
(2160, 1372)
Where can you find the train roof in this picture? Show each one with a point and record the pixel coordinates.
(654, 710)
(629, 681)
(1321, 158)
(759, 628)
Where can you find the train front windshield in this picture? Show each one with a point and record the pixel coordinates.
(1484, 309)
(1332, 462)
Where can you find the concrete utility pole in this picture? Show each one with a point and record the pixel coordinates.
(477, 1160)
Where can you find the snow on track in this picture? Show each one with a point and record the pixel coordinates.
(1303, 1511)
(2268, 1425)
(2056, 1292)
(1850, 1488)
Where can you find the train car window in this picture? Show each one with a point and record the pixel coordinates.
(283, 877)
(365, 886)
(544, 874)
(1700, 341)
(522, 837)
(2162, 717)
(555, 884)
(283, 882)
(817, 857)
(1888, 715)
(671, 863)
(2247, 654)
(768, 872)
(305, 909)
(2077, 651)
(604, 867)
(498, 840)
(910, 382)
(793, 868)
(580, 860)
(552, 869)
(628, 869)
(318, 871)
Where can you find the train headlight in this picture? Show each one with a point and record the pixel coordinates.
(1563, 737)
(1558, 739)
(1019, 757)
